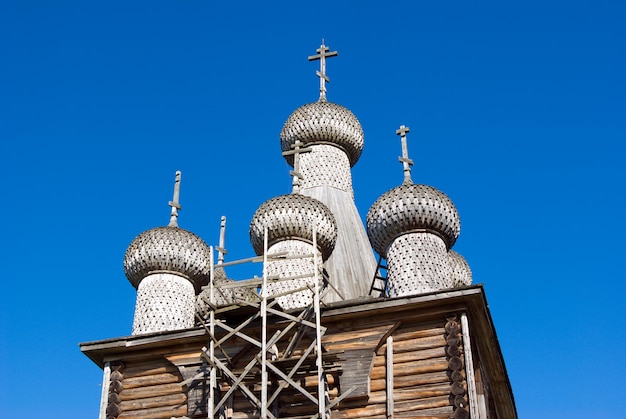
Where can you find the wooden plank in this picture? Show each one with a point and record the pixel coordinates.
(421, 404)
(412, 368)
(151, 391)
(418, 355)
(150, 380)
(389, 370)
(412, 380)
(155, 413)
(150, 402)
(370, 410)
(435, 413)
(417, 344)
(151, 368)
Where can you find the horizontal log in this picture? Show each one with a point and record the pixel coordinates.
(461, 413)
(411, 380)
(155, 413)
(376, 416)
(311, 381)
(245, 415)
(150, 391)
(292, 397)
(411, 368)
(115, 398)
(368, 334)
(436, 413)
(398, 358)
(150, 402)
(425, 391)
(421, 392)
(358, 412)
(421, 404)
(417, 344)
(150, 380)
(150, 369)
(184, 358)
(113, 409)
(410, 332)
(307, 409)
(115, 386)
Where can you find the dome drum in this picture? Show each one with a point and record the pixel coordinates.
(418, 263)
(164, 302)
(299, 265)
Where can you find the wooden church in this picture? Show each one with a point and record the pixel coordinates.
(327, 330)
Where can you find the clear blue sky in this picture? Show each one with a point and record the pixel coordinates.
(517, 111)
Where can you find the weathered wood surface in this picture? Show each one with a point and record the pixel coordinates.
(155, 413)
(157, 401)
(147, 369)
(358, 346)
(402, 357)
(150, 391)
(412, 368)
(421, 374)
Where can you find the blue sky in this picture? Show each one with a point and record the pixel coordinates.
(517, 111)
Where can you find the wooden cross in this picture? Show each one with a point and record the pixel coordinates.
(322, 54)
(221, 251)
(296, 150)
(174, 202)
(406, 161)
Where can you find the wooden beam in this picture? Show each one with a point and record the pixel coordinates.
(104, 399)
(469, 368)
(389, 377)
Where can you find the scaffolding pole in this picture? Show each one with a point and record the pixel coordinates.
(286, 368)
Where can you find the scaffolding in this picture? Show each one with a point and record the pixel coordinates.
(262, 361)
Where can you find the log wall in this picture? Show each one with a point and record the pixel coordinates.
(147, 389)
(156, 376)
(427, 376)
(424, 353)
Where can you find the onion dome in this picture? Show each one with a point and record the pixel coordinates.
(323, 123)
(167, 249)
(292, 217)
(411, 208)
(461, 272)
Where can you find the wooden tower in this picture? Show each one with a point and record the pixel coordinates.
(314, 336)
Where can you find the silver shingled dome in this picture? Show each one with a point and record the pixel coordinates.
(167, 249)
(410, 207)
(323, 123)
(461, 272)
(293, 217)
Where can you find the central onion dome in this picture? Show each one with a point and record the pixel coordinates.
(168, 249)
(411, 208)
(292, 217)
(323, 123)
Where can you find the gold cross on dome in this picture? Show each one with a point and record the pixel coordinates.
(174, 202)
(406, 161)
(322, 54)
